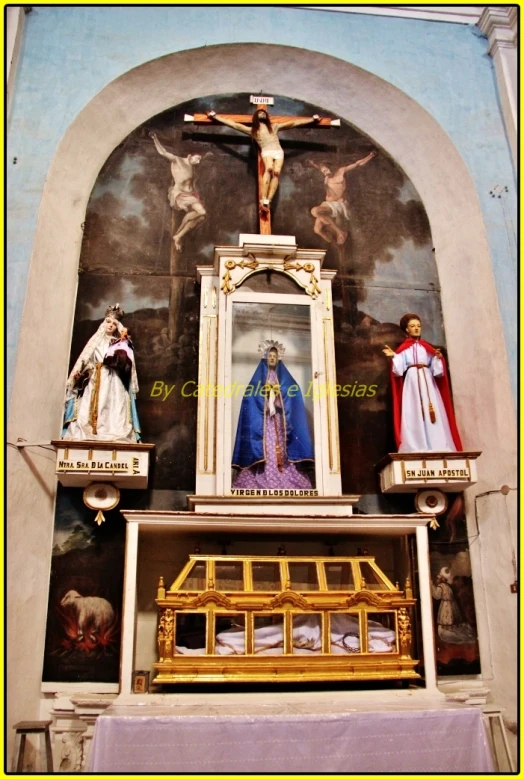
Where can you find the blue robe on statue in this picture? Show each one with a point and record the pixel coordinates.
(249, 443)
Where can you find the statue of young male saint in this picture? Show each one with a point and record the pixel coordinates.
(101, 388)
(422, 408)
(265, 134)
(272, 433)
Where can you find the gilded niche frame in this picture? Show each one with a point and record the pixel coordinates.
(226, 287)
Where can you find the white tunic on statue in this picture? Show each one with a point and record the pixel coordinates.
(417, 432)
(114, 410)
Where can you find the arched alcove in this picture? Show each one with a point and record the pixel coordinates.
(392, 120)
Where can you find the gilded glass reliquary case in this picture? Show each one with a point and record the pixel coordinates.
(245, 618)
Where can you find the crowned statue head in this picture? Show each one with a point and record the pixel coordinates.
(115, 312)
(271, 351)
(113, 325)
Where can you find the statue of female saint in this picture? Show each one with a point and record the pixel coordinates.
(422, 407)
(272, 434)
(101, 388)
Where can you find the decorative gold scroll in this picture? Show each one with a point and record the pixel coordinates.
(227, 286)
(313, 290)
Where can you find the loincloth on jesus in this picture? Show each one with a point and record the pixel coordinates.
(339, 212)
(182, 201)
(275, 154)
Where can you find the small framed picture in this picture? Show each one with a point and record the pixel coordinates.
(140, 681)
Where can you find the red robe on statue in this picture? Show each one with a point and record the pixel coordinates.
(442, 382)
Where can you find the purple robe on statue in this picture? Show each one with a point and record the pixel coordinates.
(267, 475)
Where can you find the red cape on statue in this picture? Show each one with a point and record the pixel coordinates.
(397, 386)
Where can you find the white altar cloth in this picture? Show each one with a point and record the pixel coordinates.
(341, 736)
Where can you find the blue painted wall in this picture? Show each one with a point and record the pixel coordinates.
(70, 54)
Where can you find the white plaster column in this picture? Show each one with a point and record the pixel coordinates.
(426, 609)
(499, 24)
(129, 608)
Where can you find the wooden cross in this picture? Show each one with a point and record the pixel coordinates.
(264, 216)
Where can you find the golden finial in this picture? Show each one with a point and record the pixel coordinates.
(99, 518)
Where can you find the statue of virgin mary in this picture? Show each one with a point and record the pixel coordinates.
(101, 388)
(273, 446)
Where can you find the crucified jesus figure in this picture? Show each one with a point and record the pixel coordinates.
(182, 195)
(265, 135)
(332, 216)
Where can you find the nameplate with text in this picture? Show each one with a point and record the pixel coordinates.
(97, 466)
(437, 474)
(78, 466)
(244, 493)
(446, 471)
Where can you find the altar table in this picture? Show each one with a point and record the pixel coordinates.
(336, 737)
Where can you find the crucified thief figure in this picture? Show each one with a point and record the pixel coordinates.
(265, 135)
(182, 195)
(332, 217)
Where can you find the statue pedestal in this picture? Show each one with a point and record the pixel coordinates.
(428, 474)
(79, 463)
(102, 468)
(412, 471)
(286, 504)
